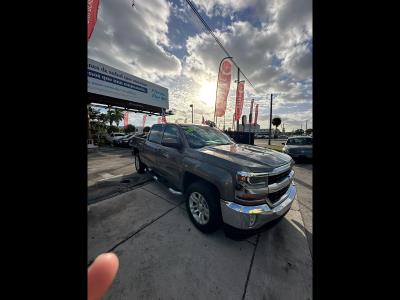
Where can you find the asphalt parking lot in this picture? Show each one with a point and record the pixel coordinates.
(163, 256)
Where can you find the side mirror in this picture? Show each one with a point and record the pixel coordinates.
(172, 143)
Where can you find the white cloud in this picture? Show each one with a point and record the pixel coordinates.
(285, 13)
(134, 39)
(298, 62)
(275, 55)
(222, 7)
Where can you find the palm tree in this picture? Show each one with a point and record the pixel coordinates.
(276, 122)
(110, 117)
(118, 116)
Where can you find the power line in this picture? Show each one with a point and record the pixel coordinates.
(216, 39)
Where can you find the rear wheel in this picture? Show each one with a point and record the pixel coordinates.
(203, 207)
(139, 166)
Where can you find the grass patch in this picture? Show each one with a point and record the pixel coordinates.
(275, 147)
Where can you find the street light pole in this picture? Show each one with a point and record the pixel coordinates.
(191, 105)
(270, 121)
(238, 117)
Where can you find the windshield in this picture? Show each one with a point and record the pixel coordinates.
(299, 141)
(200, 136)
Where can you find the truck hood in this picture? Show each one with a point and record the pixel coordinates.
(252, 158)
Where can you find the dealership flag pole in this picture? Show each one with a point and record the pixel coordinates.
(92, 10)
(237, 117)
(223, 85)
(270, 121)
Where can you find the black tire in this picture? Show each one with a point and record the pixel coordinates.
(139, 166)
(211, 196)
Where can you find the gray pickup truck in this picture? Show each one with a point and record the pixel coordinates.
(242, 186)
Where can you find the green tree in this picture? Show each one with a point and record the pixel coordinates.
(114, 116)
(96, 124)
(118, 116)
(276, 122)
(93, 113)
(309, 131)
(299, 131)
(110, 116)
(129, 128)
(112, 128)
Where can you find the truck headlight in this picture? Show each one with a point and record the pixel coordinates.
(246, 181)
(243, 177)
(251, 178)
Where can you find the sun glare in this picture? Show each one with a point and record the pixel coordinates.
(207, 93)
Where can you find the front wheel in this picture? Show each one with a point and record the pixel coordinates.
(202, 204)
(139, 166)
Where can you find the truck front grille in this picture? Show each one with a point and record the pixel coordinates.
(277, 178)
(274, 197)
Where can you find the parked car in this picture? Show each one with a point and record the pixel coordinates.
(243, 186)
(123, 141)
(110, 137)
(299, 147)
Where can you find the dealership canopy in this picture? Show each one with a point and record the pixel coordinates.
(112, 87)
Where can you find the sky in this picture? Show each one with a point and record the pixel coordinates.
(163, 41)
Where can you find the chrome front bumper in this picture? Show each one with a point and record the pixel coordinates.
(253, 217)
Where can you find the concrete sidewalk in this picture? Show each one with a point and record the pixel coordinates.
(163, 256)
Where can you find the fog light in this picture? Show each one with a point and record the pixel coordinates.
(252, 220)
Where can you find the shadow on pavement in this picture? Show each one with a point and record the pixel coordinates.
(102, 153)
(240, 235)
(303, 183)
(308, 234)
(305, 162)
(105, 189)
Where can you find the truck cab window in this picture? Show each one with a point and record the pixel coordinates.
(171, 134)
(156, 133)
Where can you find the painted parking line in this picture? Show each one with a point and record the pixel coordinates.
(107, 176)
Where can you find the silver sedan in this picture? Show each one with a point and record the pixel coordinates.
(299, 147)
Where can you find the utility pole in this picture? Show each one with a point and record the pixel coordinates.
(237, 121)
(270, 121)
(306, 125)
(250, 118)
(191, 105)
